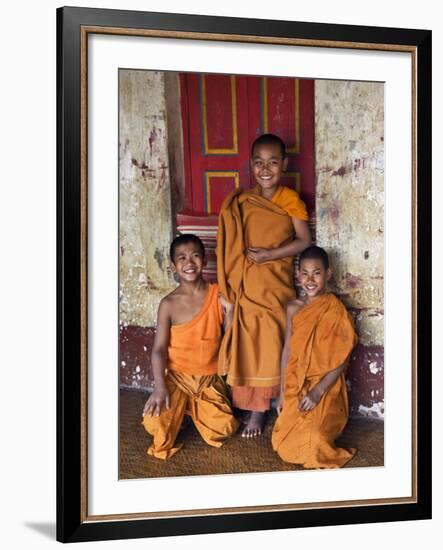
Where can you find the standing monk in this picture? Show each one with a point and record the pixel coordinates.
(260, 231)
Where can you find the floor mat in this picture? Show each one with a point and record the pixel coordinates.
(237, 455)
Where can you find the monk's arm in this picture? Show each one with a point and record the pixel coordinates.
(313, 397)
(297, 245)
(160, 395)
(228, 311)
(302, 240)
(291, 309)
(329, 380)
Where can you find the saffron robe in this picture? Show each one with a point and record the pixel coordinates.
(193, 346)
(193, 385)
(323, 337)
(251, 349)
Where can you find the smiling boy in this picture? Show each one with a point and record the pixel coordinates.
(314, 403)
(184, 357)
(259, 233)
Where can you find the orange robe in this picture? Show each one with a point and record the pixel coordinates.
(193, 385)
(250, 352)
(322, 339)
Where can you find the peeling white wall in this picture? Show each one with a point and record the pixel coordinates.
(145, 204)
(349, 141)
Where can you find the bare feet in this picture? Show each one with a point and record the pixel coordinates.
(254, 425)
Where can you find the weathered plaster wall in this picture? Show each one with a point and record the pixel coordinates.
(145, 204)
(349, 138)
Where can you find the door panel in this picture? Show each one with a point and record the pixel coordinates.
(223, 114)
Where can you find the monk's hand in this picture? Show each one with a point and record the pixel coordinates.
(310, 400)
(158, 398)
(258, 255)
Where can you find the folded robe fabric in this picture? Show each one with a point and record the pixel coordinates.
(289, 201)
(250, 351)
(322, 339)
(204, 399)
(193, 386)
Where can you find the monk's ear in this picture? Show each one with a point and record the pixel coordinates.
(285, 164)
(173, 268)
(328, 274)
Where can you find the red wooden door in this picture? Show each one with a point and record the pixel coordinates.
(221, 117)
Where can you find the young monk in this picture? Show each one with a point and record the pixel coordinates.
(314, 402)
(184, 357)
(259, 233)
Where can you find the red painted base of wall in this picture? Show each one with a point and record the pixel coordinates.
(365, 375)
(135, 356)
(365, 378)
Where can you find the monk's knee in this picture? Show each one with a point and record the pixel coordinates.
(148, 423)
(152, 424)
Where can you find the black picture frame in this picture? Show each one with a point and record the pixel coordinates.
(73, 523)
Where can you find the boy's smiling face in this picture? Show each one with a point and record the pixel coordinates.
(268, 165)
(313, 277)
(188, 262)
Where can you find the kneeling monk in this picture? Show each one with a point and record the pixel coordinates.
(185, 355)
(314, 403)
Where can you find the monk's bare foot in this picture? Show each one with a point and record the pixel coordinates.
(254, 425)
